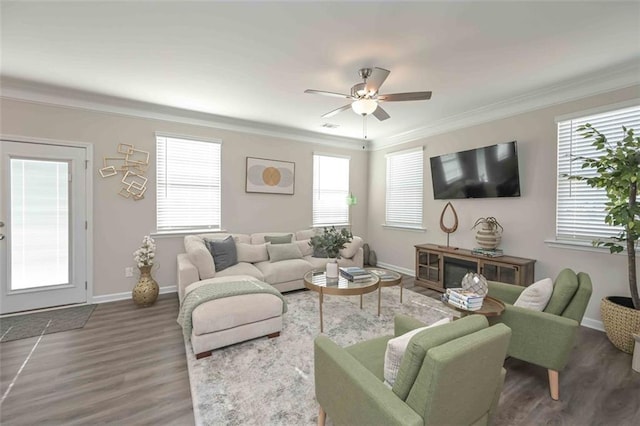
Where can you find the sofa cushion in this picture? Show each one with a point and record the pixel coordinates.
(252, 253)
(304, 247)
(200, 256)
(564, 288)
(280, 252)
(258, 238)
(351, 248)
(286, 270)
(536, 296)
(223, 252)
(241, 268)
(396, 348)
(306, 234)
(317, 262)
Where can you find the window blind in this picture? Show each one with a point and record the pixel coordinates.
(580, 208)
(405, 188)
(330, 190)
(188, 184)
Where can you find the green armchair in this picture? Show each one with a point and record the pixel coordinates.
(545, 338)
(449, 374)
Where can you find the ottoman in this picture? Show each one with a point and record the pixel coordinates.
(234, 319)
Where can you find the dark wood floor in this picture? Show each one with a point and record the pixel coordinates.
(127, 366)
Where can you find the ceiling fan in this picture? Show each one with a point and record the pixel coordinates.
(365, 95)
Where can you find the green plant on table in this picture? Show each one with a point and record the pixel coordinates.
(331, 241)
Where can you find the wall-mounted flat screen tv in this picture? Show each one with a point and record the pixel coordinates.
(490, 171)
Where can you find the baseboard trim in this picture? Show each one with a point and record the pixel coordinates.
(586, 322)
(114, 297)
(405, 271)
(591, 323)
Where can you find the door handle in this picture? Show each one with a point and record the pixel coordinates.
(1, 237)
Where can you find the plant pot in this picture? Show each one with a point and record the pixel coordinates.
(332, 268)
(146, 290)
(620, 321)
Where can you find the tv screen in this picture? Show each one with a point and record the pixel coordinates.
(490, 171)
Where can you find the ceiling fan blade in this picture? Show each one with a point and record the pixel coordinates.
(409, 96)
(335, 111)
(375, 80)
(322, 92)
(380, 114)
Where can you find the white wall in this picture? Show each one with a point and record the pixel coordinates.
(528, 220)
(119, 224)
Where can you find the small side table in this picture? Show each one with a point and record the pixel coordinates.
(491, 307)
(387, 279)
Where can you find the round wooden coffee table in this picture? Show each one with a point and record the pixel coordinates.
(317, 281)
(387, 279)
(491, 307)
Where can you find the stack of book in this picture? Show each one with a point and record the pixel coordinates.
(464, 299)
(488, 252)
(354, 273)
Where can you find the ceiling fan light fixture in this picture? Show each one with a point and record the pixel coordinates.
(364, 106)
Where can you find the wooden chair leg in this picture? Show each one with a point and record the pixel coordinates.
(554, 387)
(322, 417)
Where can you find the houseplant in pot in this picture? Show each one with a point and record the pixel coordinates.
(618, 172)
(329, 244)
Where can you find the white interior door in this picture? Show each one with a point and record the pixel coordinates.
(43, 251)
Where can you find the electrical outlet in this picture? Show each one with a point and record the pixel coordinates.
(128, 272)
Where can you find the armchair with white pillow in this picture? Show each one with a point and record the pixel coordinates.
(544, 325)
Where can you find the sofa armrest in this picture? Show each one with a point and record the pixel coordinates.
(403, 324)
(187, 274)
(351, 394)
(506, 292)
(358, 258)
(538, 337)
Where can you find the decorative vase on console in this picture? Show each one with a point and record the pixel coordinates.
(490, 232)
(145, 292)
(330, 242)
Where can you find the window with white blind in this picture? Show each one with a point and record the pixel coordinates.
(580, 208)
(330, 190)
(188, 184)
(405, 188)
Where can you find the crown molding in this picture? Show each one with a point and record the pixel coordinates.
(594, 84)
(28, 91)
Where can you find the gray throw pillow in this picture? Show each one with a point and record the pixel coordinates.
(278, 252)
(223, 251)
(278, 239)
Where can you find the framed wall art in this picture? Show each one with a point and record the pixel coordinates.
(270, 176)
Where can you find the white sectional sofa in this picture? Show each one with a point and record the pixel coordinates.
(229, 320)
(253, 259)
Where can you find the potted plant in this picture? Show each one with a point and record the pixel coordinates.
(490, 232)
(329, 243)
(618, 173)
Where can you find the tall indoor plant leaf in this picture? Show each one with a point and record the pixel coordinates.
(618, 173)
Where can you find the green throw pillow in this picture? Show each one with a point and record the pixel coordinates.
(278, 239)
(278, 252)
(564, 289)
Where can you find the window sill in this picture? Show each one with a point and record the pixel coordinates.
(579, 246)
(183, 232)
(405, 228)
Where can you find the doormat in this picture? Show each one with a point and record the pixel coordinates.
(33, 324)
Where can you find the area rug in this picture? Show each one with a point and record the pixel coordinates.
(54, 321)
(270, 381)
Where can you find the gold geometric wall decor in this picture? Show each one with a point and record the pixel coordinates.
(133, 166)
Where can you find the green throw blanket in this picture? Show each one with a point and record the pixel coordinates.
(218, 290)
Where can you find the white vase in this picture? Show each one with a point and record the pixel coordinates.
(332, 268)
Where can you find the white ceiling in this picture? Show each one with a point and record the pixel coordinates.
(253, 60)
